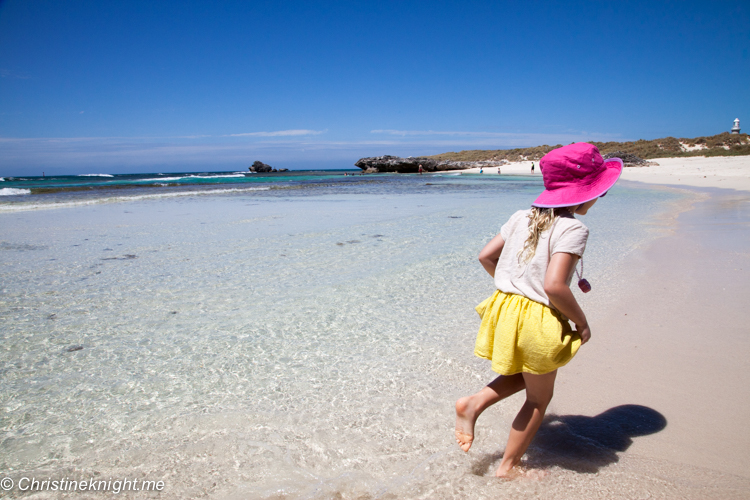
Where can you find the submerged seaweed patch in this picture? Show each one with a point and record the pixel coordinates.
(127, 256)
(21, 246)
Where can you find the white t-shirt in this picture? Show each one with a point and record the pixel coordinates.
(569, 235)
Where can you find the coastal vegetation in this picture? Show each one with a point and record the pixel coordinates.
(724, 144)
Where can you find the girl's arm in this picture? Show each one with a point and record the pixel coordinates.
(490, 254)
(560, 267)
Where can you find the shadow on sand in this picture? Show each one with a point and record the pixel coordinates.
(584, 444)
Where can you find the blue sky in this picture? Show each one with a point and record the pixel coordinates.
(100, 86)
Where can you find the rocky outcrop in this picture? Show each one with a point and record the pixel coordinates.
(629, 160)
(387, 163)
(259, 166)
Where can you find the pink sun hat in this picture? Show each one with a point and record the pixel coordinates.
(576, 174)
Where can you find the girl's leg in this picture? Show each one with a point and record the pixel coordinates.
(539, 389)
(469, 408)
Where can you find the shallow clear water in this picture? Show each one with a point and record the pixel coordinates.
(305, 342)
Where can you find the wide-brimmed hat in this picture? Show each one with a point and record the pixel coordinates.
(576, 174)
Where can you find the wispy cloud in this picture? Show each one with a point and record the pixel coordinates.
(130, 152)
(6, 73)
(231, 151)
(404, 133)
(506, 139)
(279, 133)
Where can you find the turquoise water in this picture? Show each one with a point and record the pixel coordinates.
(304, 341)
(24, 193)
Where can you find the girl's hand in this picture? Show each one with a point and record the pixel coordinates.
(585, 333)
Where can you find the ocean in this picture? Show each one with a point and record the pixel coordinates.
(83, 189)
(289, 335)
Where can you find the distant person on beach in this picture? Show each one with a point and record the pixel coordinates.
(525, 330)
(420, 170)
(481, 170)
(532, 167)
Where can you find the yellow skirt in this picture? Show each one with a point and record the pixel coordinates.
(520, 335)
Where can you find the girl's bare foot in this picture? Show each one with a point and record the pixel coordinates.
(469, 408)
(466, 416)
(520, 471)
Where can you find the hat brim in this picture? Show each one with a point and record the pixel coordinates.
(575, 195)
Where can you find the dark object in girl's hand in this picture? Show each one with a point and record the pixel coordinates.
(584, 285)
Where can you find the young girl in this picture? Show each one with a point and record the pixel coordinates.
(525, 330)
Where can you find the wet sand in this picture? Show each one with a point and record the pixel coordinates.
(674, 339)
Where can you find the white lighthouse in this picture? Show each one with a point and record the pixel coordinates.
(736, 128)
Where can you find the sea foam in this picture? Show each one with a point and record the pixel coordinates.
(114, 199)
(183, 177)
(13, 191)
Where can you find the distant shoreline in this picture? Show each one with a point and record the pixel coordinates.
(633, 153)
(724, 144)
(729, 172)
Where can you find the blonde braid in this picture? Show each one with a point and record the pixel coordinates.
(540, 219)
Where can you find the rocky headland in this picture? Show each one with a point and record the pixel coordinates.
(387, 163)
(629, 160)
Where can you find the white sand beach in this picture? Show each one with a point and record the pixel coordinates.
(731, 172)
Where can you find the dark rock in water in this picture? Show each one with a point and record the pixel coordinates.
(627, 158)
(283, 170)
(259, 166)
(74, 348)
(387, 163)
